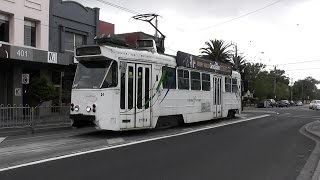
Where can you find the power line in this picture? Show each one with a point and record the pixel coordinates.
(129, 11)
(302, 69)
(119, 7)
(241, 16)
(172, 50)
(133, 12)
(301, 62)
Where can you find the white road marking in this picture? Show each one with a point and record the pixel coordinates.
(2, 139)
(129, 144)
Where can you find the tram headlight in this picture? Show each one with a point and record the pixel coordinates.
(94, 108)
(88, 108)
(76, 108)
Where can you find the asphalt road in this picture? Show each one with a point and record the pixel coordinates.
(270, 148)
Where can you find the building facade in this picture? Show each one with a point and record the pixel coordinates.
(37, 40)
(24, 34)
(71, 25)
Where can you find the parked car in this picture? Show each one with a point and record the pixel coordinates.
(283, 103)
(260, 104)
(299, 103)
(314, 104)
(292, 103)
(272, 102)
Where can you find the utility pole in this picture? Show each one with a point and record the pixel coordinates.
(302, 91)
(291, 94)
(291, 83)
(275, 82)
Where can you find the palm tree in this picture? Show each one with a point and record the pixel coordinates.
(239, 63)
(217, 50)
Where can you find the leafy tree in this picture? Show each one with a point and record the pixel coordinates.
(262, 85)
(306, 89)
(217, 50)
(40, 91)
(251, 72)
(261, 82)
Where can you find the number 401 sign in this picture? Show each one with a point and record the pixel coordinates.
(22, 53)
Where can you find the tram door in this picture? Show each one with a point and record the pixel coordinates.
(135, 96)
(143, 88)
(217, 108)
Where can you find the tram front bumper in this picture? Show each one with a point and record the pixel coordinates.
(82, 117)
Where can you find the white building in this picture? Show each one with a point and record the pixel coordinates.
(36, 41)
(24, 38)
(25, 23)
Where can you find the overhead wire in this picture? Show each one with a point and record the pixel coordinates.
(241, 16)
(119, 7)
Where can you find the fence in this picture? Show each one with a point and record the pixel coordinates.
(26, 116)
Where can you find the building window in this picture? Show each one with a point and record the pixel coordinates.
(169, 81)
(30, 33)
(205, 82)
(72, 40)
(234, 85)
(195, 81)
(228, 84)
(183, 79)
(4, 28)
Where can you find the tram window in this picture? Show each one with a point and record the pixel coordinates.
(130, 87)
(112, 76)
(123, 90)
(147, 88)
(234, 85)
(90, 74)
(183, 79)
(169, 80)
(228, 84)
(195, 81)
(140, 95)
(205, 82)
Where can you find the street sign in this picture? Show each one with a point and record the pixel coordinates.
(25, 79)
(21, 53)
(18, 92)
(52, 57)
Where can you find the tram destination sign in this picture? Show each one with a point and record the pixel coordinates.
(88, 50)
(195, 62)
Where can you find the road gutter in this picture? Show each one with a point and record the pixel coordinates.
(311, 170)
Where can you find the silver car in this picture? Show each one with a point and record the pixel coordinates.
(314, 104)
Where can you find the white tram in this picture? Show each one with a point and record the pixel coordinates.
(124, 89)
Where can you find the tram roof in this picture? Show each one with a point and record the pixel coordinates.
(182, 59)
(139, 55)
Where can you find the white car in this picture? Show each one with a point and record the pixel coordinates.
(315, 104)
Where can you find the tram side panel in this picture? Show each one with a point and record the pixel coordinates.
(231, 100)
(193, 105)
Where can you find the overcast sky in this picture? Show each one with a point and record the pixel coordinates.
(276, 32)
